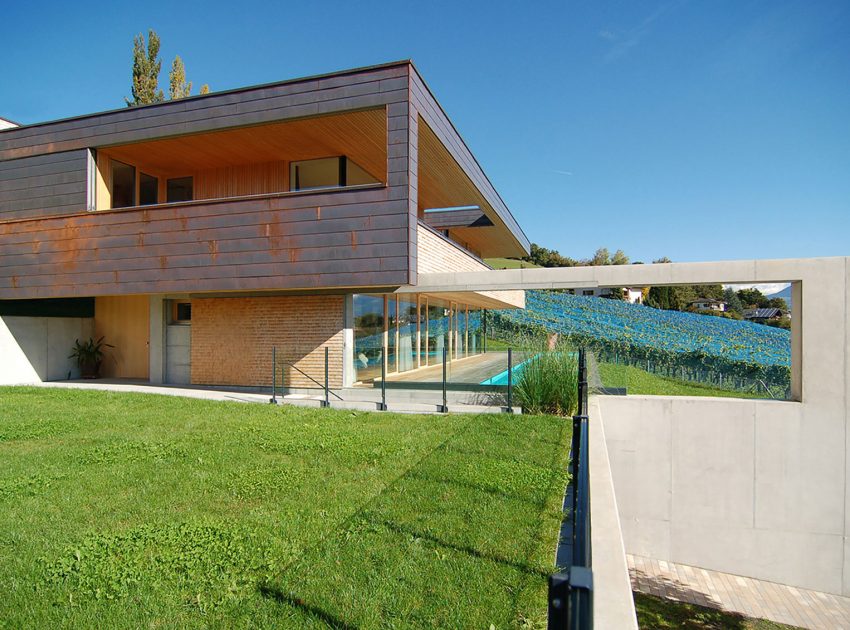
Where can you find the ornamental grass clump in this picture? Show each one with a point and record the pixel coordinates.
(548, 382)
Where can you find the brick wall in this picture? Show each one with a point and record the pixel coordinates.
(436, 254)
(232, 339)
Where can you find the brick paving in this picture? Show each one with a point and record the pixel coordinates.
(753, 598)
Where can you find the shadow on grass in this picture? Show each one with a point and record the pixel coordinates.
(655, 613)
(539, 504)
(274, 593)
(672, 589)
(470, 551)
(415, 472)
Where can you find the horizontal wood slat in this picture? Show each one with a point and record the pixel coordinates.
(270, 243)
(214, 112)
(45, 185)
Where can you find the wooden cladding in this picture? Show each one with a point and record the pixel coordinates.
(342, 239)
(237, 143)
(358, 89)
(43, 185)
(236, 181)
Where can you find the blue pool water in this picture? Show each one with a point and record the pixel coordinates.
(502, 377)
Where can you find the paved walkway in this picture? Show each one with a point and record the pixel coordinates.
(754, 598)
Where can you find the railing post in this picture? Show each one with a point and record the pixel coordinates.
(382, 406)
(510, 408)
(327, 401)
(444, 408)
(559, 601)
(274, 376)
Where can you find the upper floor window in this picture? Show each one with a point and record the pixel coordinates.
(180, 189)
(148, 189)
(123, 185)
(330, 172)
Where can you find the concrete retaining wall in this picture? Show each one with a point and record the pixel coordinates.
(36, 349)
(750, 487)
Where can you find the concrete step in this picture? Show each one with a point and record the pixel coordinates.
(301, 400)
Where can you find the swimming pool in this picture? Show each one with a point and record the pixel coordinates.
(502, 377)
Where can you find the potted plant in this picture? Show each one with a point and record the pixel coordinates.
(89, 356)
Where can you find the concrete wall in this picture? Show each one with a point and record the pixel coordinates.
(36, 349)
(755, 488)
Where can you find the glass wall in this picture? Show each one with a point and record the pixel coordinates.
(454, 327)
(406, 333)
(476, 331)
(392, 333)
(438, 332)
(368, 336)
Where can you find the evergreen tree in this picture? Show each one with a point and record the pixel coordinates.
(733, 302)
(177, 79)
(146, 66)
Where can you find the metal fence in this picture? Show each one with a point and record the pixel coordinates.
(571, 588)
(497, 390)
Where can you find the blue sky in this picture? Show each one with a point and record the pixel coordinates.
(696, 130)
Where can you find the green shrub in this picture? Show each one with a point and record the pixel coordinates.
(548, 383)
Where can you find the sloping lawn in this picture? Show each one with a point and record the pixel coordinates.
(637, 381)
(135, 510)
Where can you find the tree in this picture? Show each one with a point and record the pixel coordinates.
(177, 79)
(146, 69)
(146, 66)
(601, 257)
(620, 258)
(751, 298)
(733, 302)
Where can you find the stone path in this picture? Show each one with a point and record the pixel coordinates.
(754, 598)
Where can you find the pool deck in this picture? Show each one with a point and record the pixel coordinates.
(470, 370)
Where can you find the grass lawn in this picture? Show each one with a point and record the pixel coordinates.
(637, 381)
(655, 613)
(135, 510)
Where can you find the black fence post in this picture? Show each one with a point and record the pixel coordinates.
(382, 406)
(274, 376)
(510, 408)
(327, 401)
(444, 408)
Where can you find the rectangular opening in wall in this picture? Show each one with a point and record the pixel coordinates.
(722, 340)
(179, 189)
(331, 172)
(123, 185)
(48, 307)
(148, 189)
(181, 312)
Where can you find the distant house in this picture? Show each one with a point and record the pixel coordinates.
(761, 315)
(706, 304)
(630, 294)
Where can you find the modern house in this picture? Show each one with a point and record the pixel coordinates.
(195, 235)
(708, 304)
(632, 295)
(762, 315)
